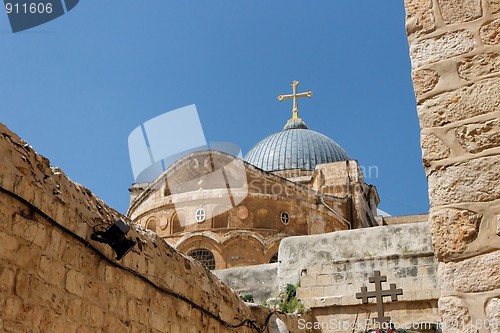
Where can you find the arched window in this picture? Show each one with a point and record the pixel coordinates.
(178, 222)
(205, 257)
(274, 258)
(151, 224)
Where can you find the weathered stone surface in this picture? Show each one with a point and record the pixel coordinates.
(493, 313)
(433, 148)
(494, 6)
(47, 268)
(456, 11)
(490, 32)
(441, 47)
(466, 181)
(467, 102)
(472, 181)
(482, 64)
(75, 283)
(498, 225)
(452, 229)
(419, 17)
(477, 274)
(455, 315)
(475, 138)
(300, 252)
(258, 280)
(424, 80)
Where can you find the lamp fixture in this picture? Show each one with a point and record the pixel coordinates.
(115, 237)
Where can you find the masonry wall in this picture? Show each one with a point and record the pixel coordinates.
(53, 278)
(332, 268)
(455, 54)
(260, 281)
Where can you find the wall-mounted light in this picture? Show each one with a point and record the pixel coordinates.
(114, 236)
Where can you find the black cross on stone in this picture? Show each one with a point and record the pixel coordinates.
(379, 294)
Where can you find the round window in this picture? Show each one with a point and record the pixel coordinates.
(285, 218)
(200, 215)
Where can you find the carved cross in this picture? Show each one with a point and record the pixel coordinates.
(294, 96)
(379, 294)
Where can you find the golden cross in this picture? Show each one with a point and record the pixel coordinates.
(294, 96)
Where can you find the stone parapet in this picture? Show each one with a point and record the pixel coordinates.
(54, 278)
(454, 49)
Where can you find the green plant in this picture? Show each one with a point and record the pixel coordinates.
(407, 251)
(247, 298)
(289, 302)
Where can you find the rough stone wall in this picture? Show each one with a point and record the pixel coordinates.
(331, 269)
(260, 281)
(53, 278)
(455, 54)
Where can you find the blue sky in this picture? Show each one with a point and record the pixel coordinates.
(75, 88)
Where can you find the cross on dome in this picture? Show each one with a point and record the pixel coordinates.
(295, 96)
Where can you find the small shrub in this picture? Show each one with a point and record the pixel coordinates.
(289, 302)
(247, 298)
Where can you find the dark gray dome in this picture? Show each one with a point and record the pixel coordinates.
(295, 147)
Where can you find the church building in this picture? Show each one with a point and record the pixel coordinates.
(229, 212)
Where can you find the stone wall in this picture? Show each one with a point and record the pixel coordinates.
(455, 54)
(54, 278)
(260, 281)
(332, 268)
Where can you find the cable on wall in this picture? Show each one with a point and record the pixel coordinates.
(246, 322)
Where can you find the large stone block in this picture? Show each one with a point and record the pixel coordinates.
(475, 138)
(477, 274)
(433, 149)
(75, 282)
(472, 181)
(467, 102)
(482, 64)
(493, 313)
(441, 47)
(51, 271)
(7, 276)
(490, 32)
(498, 225)
(452, 229)
(424, 80)
(456, 11)
(494, 6)
(419, 17)
(31, 230)
(455, 316)
(8, 246)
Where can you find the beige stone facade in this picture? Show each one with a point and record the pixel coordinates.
(245, 222)
(54, 278)
(455, 53)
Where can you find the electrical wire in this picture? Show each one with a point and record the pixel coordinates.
(246, 322)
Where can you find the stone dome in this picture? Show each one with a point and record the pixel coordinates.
(295, 147)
